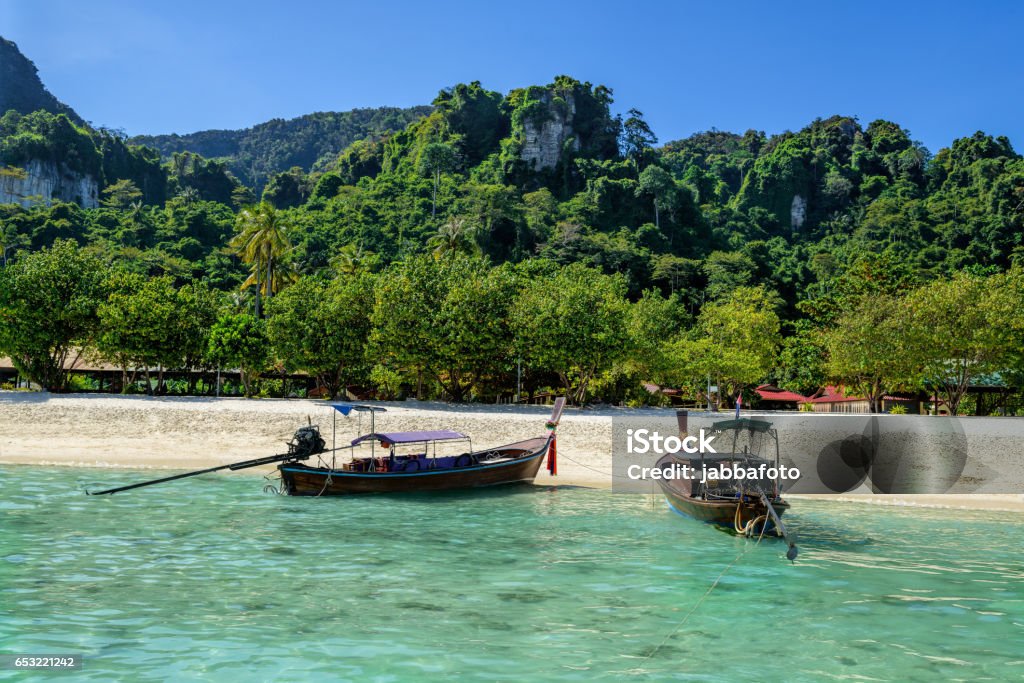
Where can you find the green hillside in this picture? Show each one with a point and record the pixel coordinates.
(20, 87)
(255, 154)
(733, 255)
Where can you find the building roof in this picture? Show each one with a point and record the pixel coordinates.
(834, 394)
(770, 392)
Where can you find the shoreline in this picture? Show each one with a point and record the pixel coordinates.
(190, 433)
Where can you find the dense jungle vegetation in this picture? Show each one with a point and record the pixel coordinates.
(534, 228)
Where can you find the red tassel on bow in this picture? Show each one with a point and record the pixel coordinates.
(553, 457)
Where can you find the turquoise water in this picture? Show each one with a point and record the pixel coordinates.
(212, 579)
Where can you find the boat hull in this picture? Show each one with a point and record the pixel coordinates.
(523, 461)
(678, 494)
(721, 512)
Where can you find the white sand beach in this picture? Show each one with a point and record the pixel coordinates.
(105, 431)
(89, 430)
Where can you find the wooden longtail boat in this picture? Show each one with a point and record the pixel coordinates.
(751, 506)
(409, 461)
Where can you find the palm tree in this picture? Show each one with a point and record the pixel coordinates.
(351, 259)
(454, 237)
(262, 242)
(189, 196)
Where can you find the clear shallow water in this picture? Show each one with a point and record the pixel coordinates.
(211, 579)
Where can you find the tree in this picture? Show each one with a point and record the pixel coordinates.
(657, 183)
(867, 348)
(652, 321)
(637, 138)
(48, 311)
(802, 359)
(149, 323)
(734, 344)
(675, 270)
(262, 242)
(961, 329)
(321, 328)
(435, 159)
(121, 195)
(726, 272)
(444, 319)
(239, 340)
(289, 189)
(352, 259)
(572, 323)
(455, 236)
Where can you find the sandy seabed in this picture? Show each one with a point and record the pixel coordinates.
(107, 431)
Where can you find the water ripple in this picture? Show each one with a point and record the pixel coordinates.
(217, 580)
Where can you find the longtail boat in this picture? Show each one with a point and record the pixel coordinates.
(750, 506)
(401, 462)
(408, 461)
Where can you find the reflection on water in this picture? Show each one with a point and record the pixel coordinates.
(214, 579)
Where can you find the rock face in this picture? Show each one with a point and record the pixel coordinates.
(47, 181)
(544, 139)
(798, 212)
(20, 87)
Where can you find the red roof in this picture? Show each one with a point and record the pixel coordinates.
(833, 394)
(769, 392)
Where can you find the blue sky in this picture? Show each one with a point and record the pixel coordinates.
(940, 69)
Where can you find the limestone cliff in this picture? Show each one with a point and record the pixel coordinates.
(46, 182)
(546, 132)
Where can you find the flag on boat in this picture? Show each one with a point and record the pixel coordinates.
(553, 457)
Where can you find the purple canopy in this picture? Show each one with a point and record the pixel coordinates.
(411, 437)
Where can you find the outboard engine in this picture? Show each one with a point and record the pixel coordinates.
(306, 442)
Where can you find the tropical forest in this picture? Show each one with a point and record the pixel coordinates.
(494, 246)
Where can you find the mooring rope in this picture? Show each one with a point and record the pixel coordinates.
(693, 609)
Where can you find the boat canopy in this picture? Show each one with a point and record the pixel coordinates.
(742, 423)
(410, 437)
(346, 408)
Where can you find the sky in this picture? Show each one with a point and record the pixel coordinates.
(940, 69)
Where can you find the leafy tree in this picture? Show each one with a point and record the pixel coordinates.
(289, 189)
(572, 323)
(322, 328)
(197, 179)
(122, 195)
(446, 320)
(48, 311)
(726, 272)
(652, 321)
(867, 349)
(149, 323)
(655, 182)
(435, 159)
(239, 340)
(637, 138)
(802, 359)
(961, 329)
(734, 343)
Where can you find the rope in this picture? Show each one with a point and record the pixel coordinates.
(593, 469)
(693, 609)
(712, 587)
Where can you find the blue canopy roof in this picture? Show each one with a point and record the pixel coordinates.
(346, 408)
(411, 437)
